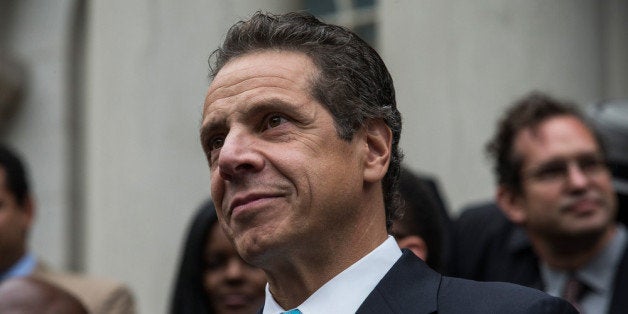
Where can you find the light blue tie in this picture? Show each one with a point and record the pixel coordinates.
(293, 311)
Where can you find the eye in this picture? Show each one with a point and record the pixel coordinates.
(591, 164)
(215, 262)
(273, 121)
(211, 148)
(550, 171)
(216, 142)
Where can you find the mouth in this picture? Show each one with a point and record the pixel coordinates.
(235, 300)
(583, 206)
(249, 203)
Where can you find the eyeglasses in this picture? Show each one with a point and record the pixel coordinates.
(558, 171)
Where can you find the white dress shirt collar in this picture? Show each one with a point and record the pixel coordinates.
(598, 274)
(23, 267)
(346, 291)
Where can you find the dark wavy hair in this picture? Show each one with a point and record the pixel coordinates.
(189, 296)
(353, 83)
(527, 112)
(16, 177)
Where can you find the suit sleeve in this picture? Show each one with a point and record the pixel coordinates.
(120, 301)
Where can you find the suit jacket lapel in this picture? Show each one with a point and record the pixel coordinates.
(410, 286)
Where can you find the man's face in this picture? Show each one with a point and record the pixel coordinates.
(566, 187)
(14, 223)
(281, 178)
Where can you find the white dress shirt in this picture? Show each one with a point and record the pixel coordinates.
(24, 267)
(346, 291)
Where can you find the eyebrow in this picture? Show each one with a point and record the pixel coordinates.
(270, 105)
(218, 122)
(558, 160)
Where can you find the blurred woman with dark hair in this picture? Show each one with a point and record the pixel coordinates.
(212, 278)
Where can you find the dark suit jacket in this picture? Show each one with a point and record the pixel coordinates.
(412, 287)
(486, 246)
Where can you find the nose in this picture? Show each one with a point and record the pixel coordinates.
(238, 155)
(234, 269)
(576, 177)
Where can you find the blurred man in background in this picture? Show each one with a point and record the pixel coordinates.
(17, 213)
(559, 231)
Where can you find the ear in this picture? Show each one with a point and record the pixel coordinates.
(379, 143)
(511, 205)
(415, 244)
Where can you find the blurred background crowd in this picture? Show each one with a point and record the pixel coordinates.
(102, 100)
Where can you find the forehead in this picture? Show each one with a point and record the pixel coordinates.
(557, 137)
(276, 70)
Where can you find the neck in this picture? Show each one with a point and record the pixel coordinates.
(9, 260)
(571, 253)
(297, 274)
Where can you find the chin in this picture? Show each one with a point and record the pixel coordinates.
(252, 250)
(239, 310)
(586, 233)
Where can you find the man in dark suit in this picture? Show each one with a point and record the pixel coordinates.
(555, 227)
(301, 132)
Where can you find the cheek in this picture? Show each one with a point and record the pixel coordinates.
(543, 196)
(3, 222)
(606, 185)
(216, 191)
(209, 282)
(13, 228)
(257, 278)
(545, 206)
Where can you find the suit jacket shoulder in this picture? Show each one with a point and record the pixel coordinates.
(619, 302)
(412, 287)
(486, 246)
(99, 295)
